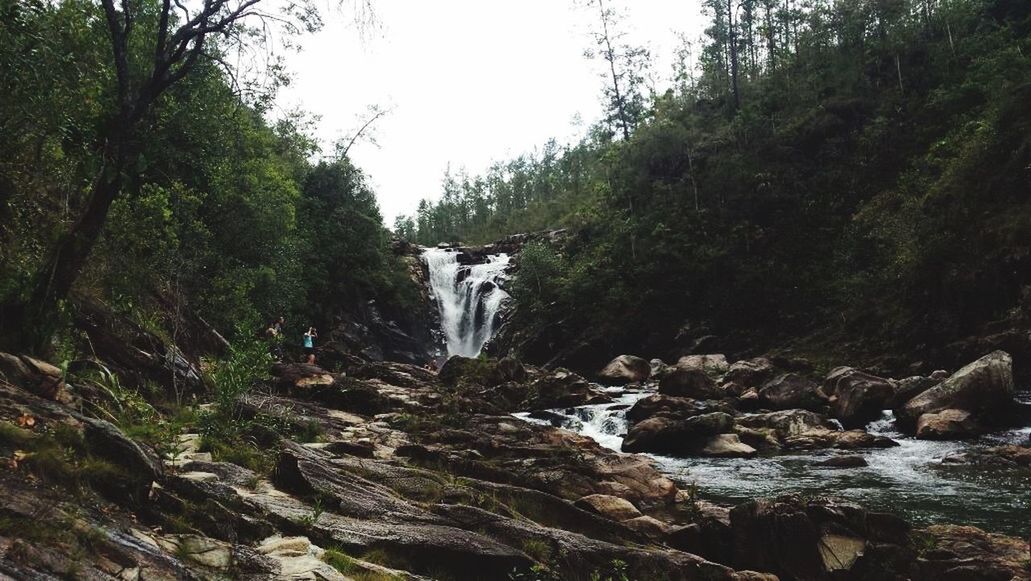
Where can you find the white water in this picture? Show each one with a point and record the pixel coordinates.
(908, 479)
(468, 298)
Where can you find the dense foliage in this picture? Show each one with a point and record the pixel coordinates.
(221, 209)
(863, 167)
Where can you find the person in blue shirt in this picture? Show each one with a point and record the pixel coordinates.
(309, 344)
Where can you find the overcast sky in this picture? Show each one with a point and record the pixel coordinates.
(468, 82)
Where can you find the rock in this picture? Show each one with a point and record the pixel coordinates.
(749, 399)
(950, 424)
(750, 372)
(482, 372)
(860, 397)
(805, 430)
(611, 507)
(727, 446)
(562, 388)
(715, 366)
(650, 527)
(963, 553)
(790, 391)
(675, 407)
(301, 376)
(690, 382)
(733, 389)
(107, 441)
(34, 376)
(844, 462)
(818, 538)
(984, 388)
(683, 436)
(908, 388)
(625, 369)
(659, 368)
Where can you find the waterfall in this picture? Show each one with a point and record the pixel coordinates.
(468, 297)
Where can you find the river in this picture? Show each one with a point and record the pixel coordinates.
(908, 480)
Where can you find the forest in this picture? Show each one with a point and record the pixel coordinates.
(854, 171)
(142, 181)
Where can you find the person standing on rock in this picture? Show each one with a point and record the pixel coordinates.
(275, 337)
(309, 344)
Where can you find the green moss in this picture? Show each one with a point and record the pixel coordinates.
(240, 453)
(15, 437)
(348, 566)
(537, 549)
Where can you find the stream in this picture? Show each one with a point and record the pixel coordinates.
(908, 480)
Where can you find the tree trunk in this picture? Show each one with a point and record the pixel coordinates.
(67, 260)
(732, 41)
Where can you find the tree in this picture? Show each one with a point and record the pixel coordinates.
(626, 66)
(152, 49)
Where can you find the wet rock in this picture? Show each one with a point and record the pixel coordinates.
(750, 372)
(727, 446)
(859, 397)
(679, 436)
(625, 369)
(950, 424)
(612, 507)
(790, 391)
(715, 366)
(844, 462)
(690, 382)
(962, 553)
(984, 388)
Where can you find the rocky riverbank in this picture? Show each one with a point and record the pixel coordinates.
(387, 471)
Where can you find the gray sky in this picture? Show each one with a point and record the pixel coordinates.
(468, 81)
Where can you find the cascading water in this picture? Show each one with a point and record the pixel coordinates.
(468, 297)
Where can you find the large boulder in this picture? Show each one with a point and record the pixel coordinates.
(625, 369)
(909, 387)
(714, 365)
(790, 391)
(676, 436)
(858, 397)
(481, 372)
(816, 538)
(562, 388)
(35, 376)
(984, 388)
(608, 506)
(750, 372)
(690, 382)
(963, 553)
(301, 376)
(948, 424)
(676, 407)
(803, 430)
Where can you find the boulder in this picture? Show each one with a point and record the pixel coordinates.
(608, 506)
(715, 366)
(690, 382)
(625, 369)
(727, 446)
(676, 407)
(790, 391)
(963, 553)
(750, 372)
(859, 396)
(659, 368)
(984, 388)
(908, 388)
(1008, 456)
(35, 376)
(665, 434)
(816, 538)
(950, 424)
(805, 430)
(301, 376)
(562, 388)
